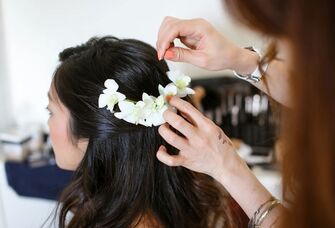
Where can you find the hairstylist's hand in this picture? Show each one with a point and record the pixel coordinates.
(204, 147)
(207, 48)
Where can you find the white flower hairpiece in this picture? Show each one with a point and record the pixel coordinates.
(110, 96)
(148, 111)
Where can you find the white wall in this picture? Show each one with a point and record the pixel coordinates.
(5, 109)
(35, 31)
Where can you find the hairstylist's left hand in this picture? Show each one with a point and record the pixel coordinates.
(204, 147)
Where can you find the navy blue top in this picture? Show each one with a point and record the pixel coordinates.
(42, 182)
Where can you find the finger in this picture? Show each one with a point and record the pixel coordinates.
(170, 160)
(170, 29)
(188, 109)
(189, 42)
(188, 118)
(172, 138)
(179, 54)
(163, 42)
(179, 123)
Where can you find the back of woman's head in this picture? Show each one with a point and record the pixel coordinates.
(119, 182)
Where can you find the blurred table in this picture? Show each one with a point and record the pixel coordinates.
(20, 211)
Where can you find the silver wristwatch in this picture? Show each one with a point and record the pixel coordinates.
(255, 76)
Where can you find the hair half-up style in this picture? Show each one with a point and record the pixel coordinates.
(120, 182)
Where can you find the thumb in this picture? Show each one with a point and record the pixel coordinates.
(178, 54)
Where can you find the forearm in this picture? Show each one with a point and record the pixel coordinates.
(243, 186)
(246, 189)
(275, 82)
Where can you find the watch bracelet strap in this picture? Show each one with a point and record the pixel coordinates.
(256, 75)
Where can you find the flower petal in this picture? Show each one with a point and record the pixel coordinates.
(186, 79)
(146, 97)
(160, 89)
(119, 115)
(103, 98)
(170, 90)
(130, 119)
(174, 75)
(133, 113)
(156, 117)
(142, 122)
(140, 104)
(126, 106)
(190, 91)
(111, 85)
(182, 93)
(126, 109)
(120, 96)
(159, 101)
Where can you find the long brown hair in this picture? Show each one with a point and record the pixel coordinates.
(119, 182)
(309, 127)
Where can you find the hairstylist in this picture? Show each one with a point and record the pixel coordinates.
(297, 71)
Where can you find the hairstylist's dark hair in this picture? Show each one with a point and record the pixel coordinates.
(119, 182)
(308, 167)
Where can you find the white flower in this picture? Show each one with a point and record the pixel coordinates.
(110, 96)
(153, 109)
(131, 112)
(149, 111)
(181, 81)
(168, 91)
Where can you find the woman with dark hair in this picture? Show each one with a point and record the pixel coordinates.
(118, 182)
(297, 71)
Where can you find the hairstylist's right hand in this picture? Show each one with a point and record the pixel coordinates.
(207, 48)
(204, 147)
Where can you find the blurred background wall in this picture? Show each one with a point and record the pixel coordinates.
(5, 98)
(33, 32)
